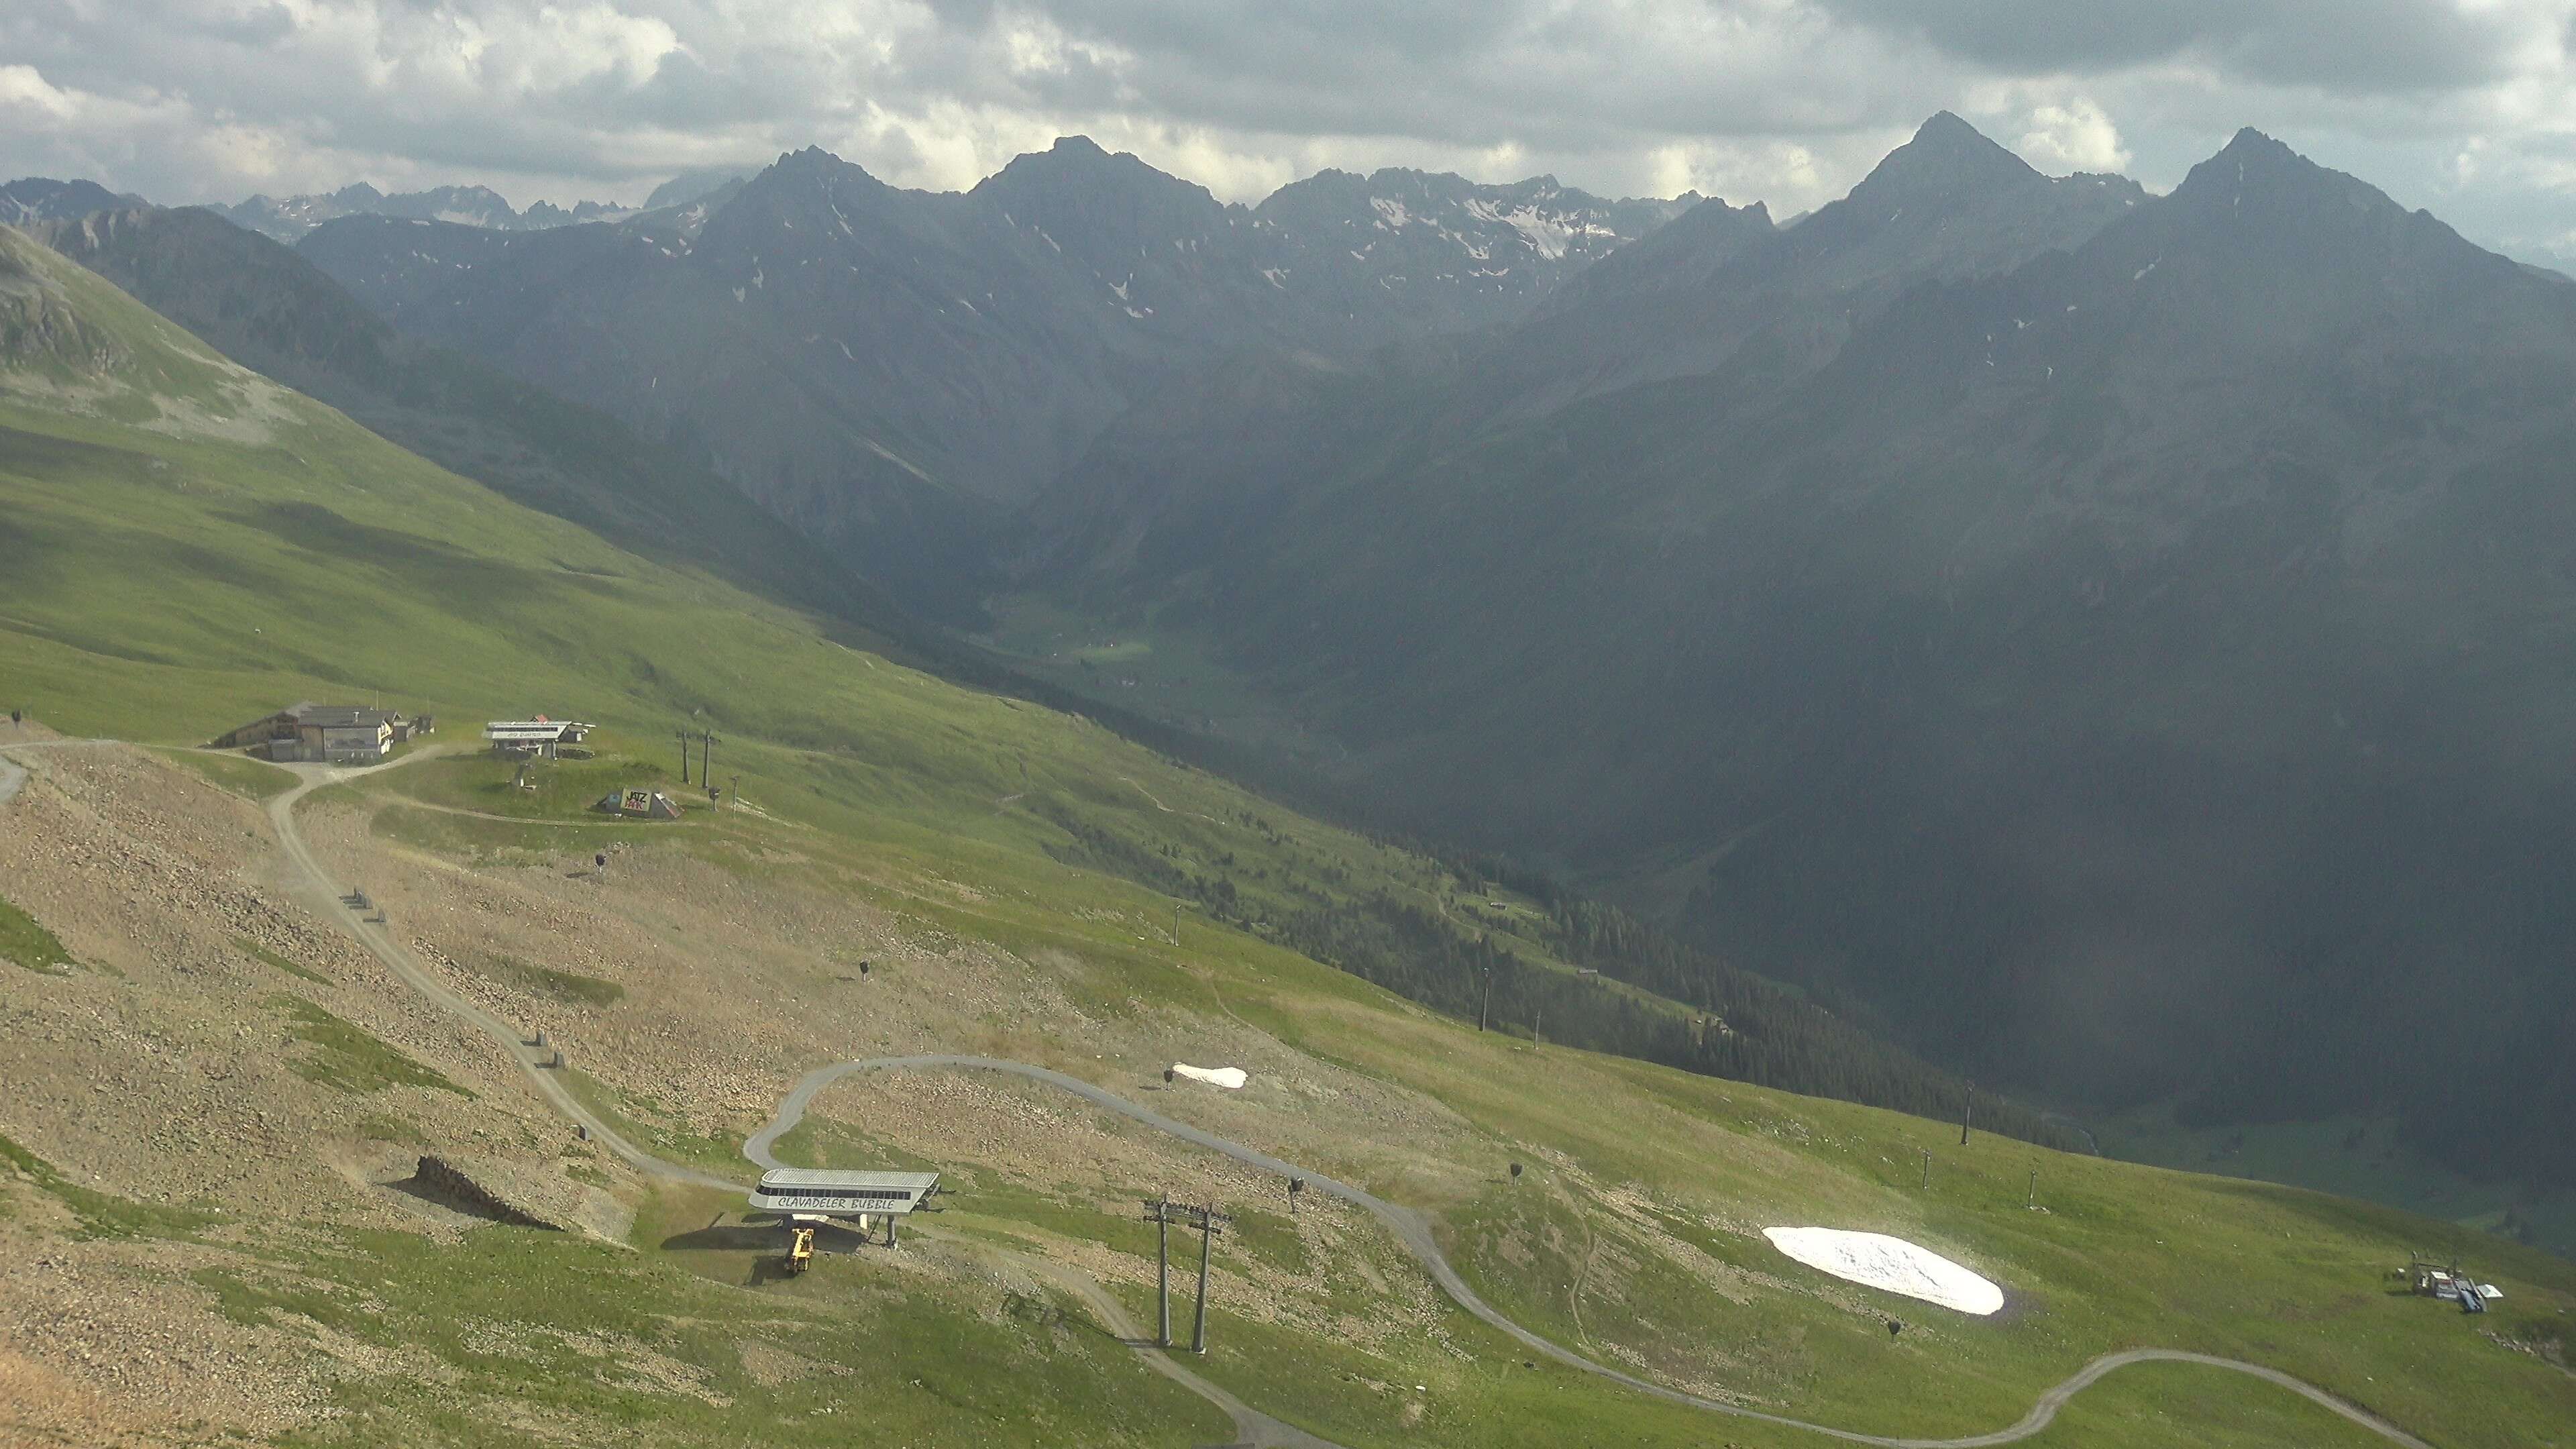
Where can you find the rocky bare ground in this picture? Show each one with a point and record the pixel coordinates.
(514, 1192)
(164, 1069)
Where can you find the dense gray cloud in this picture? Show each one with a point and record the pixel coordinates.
(2350, 45)
(2464, 106)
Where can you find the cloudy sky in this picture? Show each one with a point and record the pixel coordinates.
(2467, 107)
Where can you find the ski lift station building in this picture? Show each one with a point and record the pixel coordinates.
(523, 737)
(814, 1193)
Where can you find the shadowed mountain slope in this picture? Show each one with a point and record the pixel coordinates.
(892, 370)
(2130, 656)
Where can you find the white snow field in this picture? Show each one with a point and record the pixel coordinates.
(1230, 1078)
(1879, 1261)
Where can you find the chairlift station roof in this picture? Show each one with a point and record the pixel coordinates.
(524, 731)
(833, 1192)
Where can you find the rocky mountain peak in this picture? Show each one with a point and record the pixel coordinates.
(2252, 146)
(810, 172)
(2255, 177)
(1947, 159)
(36, 198)
(1077, 164)
(811, 160)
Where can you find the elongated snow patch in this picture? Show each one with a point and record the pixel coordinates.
(1230, 1078)
(1894, 1264)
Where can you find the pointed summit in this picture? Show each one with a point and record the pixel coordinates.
(2255, 164)
(811, 158)
(1946, 128)
(1947, 158)
(2257, 153)
(2259, 204)
(812, 167)
(1077, 176)
(2249, 144)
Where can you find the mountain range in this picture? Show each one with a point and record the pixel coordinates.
(895, 370)
(289, 218)
(34, 199)
(481, 1161)
(2121, 636)
(2112, 642)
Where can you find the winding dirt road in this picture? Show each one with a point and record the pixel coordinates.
(1414, 1232)
(323, 894)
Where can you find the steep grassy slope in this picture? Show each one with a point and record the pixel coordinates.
(356, 569)
(268, 308)
(189, 546)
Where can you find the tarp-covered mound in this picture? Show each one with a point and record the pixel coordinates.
(1230, 1078)
(1879, 1261)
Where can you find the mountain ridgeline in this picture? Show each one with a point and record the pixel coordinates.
(281, 498)
(896, 371)
(2112, 643)
(289, 218)
(2120, 637)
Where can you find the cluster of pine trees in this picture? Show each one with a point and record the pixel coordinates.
(1651, 997)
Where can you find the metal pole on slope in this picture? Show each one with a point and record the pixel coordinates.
(1160, 1211)
(1971, 1115)
(1209, 1218)
(684, 755)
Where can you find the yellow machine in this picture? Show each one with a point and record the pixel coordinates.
(800, 1251)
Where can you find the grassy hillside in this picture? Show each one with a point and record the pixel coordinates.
(266, 307)
(306, 559)
(1634, 1233)
(189, 546)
